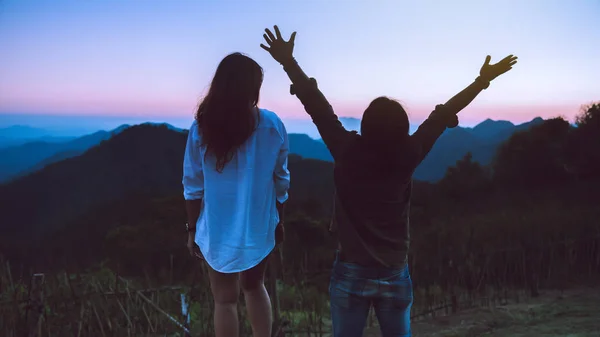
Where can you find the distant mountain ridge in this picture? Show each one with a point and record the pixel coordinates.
(23, 159)
(306, 147)
(146, 160)
(142, 160)
(490, 128)
(20, 134)
(351, 123)
(306, 126)
(481, 140)
(23, 132)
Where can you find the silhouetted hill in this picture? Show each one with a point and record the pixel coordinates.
(140, 160)
(20, 134)
(482, 141)
(25, 159)
(506, 134)
(350, 123)
(30, 157)
(128, 189)
(307, 147)
(143, 161)
(55, 158)
(490, 128)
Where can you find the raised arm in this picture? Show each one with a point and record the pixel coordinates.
(487, 73)
(445, 115)
(316, 105)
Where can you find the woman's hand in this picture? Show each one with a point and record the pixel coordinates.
(279, 233)
(489, 71)
(193, 247)
(280, 49)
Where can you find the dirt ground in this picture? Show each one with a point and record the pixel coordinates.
(574, 313)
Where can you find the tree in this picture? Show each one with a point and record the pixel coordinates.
(467, 180)
(535, 157)
(584, 143)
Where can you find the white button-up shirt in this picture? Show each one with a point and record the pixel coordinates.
(236, 227)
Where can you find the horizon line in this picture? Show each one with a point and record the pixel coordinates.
(151, 118)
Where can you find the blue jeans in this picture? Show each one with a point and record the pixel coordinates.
(354, 289)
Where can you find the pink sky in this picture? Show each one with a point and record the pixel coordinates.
(119, 58)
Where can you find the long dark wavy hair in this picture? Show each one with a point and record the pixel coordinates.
(385, 121)
(228, 114)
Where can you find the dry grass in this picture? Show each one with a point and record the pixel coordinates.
(104, 304)
(573, 313)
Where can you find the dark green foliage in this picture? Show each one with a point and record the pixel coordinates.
(584, 143)
(534, 158)
(482, 141)
(467, 181)
(145, 160)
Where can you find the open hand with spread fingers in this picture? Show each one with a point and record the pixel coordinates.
(280, 49)
(489, 71)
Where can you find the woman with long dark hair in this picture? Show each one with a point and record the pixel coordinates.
(373, 183)
(235, 181)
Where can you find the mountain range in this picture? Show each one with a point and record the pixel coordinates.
(20, 160)
(140, 162)
(144, 162)
(20, 134)
(481, 140)
(32, 156)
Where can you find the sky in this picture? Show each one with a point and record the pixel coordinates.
(109, 60)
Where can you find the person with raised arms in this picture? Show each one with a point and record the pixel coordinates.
(373, 181)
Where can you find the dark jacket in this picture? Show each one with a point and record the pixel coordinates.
(372, 183)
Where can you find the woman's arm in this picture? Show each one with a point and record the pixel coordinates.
(444, 116)
(193, 208)
(466, 96)
(334, 135)
(193, 186)
(487, 73)
(193, 172)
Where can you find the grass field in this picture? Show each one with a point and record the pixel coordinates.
(574, 313)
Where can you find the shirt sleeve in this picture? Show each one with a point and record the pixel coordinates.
(432, 128)
(281, 174)
(193, 175)
(334, 135)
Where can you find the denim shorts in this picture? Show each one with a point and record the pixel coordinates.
(354, 289)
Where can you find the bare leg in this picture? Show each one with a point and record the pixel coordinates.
(258, 303)
(226, 292)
